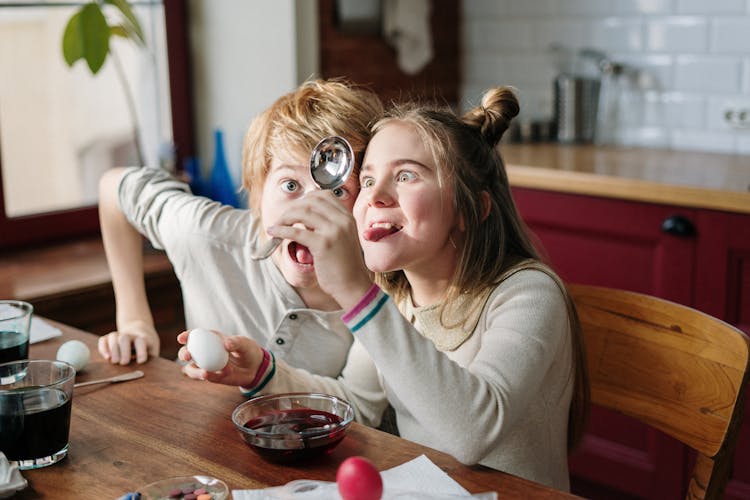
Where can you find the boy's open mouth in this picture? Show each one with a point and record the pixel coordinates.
(300, 253)
(379, 230)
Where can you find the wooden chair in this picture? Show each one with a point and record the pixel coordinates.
(672, 367)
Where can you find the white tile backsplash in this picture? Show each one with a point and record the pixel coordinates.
(484, 9)
(618, 34)
(690, 59)
(731, 35)
(539, 8)
(568, 31)
(708, 73)
(498, 35)
(743, 147)
(677, 34)
(656, 70)
(643, 6)
(682, 110)
(586, 7)
(711, 7)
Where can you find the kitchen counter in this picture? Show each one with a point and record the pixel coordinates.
(684, 178)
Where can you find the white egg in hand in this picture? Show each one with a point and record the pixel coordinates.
(207, 349)
(74, 352)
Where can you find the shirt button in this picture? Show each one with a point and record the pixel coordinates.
(292, 316)
(280, 341)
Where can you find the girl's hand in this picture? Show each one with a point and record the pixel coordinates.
(327, 228)
(245, 356)
(134, 337)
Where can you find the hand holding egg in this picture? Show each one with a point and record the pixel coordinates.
(207, 349)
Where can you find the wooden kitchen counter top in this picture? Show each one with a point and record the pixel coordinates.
(53, 271)
(685, 178)
(70, 282)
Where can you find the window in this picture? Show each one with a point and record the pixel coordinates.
(61, 127)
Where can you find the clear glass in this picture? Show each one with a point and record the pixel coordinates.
(61, 127)
(36, 398)
(166, 487)
(15, 323)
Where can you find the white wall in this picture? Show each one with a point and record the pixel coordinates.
(245, 55)
(695, 53)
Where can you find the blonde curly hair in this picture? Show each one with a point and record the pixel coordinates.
(297, 121)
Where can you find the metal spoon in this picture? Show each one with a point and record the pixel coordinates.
(331, 164)
(117, 378)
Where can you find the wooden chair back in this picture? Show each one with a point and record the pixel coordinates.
(672, 367)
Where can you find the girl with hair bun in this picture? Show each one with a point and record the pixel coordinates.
(476, 342)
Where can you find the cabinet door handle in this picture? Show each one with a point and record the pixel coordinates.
(678, 225)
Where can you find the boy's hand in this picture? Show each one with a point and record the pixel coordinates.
(135, 337)
(245, 356)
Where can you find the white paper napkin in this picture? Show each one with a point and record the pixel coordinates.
(11, 479)
(41, 330)
(418, 479)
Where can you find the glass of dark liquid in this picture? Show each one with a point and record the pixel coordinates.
(15, 321)
(35, 403)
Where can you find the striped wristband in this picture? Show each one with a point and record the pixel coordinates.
(367, 307)
(261, 369)
(257, 384)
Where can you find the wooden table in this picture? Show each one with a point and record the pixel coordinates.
(130, 434)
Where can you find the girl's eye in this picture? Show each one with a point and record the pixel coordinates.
(405, 176)
(341, 193)
(290, 186)
(366, 182)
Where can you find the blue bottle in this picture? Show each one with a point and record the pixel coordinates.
(222, 186)
(192, 168)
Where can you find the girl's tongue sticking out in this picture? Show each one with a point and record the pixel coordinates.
(380, 230)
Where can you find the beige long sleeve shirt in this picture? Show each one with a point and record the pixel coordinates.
(209, 246)
(495, 393)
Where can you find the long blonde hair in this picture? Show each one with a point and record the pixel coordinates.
(497, 242)
(297, 121)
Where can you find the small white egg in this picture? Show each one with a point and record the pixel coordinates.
(74, 352)
(207, 349)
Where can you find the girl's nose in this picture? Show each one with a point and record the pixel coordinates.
(379, 195)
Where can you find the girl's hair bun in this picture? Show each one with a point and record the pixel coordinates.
(492, 117)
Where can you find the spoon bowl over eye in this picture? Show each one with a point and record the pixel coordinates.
(331, 164)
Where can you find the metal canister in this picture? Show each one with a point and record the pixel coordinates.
(576, 103)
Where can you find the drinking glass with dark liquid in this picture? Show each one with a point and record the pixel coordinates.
(35, 403)
(15, 323)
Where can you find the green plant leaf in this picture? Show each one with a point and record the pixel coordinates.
(119, 30)
(132, 25)
(95, 35)
(72, 43)
(86, 37)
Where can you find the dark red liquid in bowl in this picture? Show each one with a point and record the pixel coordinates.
(288, 445)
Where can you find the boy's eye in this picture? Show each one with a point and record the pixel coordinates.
(290, 186)
(366, 182)
(341, 193)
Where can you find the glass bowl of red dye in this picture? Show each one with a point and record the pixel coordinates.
(288, 428)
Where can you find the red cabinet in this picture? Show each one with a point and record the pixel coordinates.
(692, 256)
